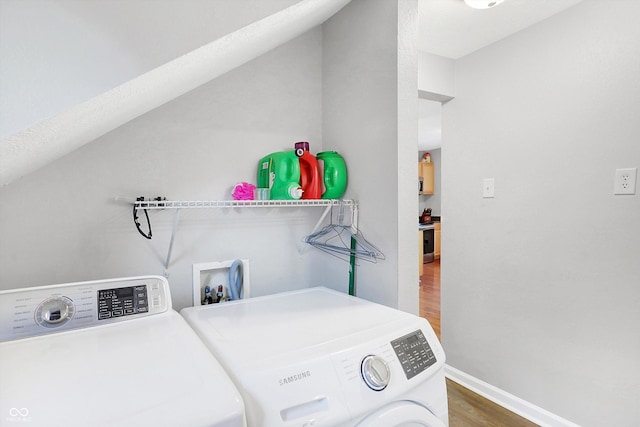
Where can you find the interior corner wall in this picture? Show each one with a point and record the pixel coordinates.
(362, 104)
(436, 77)
(540, 290)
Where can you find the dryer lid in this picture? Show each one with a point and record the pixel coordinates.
(401, 414)
(105, 353)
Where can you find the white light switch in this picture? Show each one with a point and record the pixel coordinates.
(488, 188)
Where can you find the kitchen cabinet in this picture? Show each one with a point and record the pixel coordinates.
(436, 240)
(426, 177)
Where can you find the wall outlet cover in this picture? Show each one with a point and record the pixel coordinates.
(625, 181)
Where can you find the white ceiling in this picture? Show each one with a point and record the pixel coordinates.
(452, 29)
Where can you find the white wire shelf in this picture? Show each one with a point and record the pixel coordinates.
(178, 205)
(203, 204)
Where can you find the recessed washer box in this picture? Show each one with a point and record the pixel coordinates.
(217, 273)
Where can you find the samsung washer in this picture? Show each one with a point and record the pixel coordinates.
(317, 357)
(107, 353)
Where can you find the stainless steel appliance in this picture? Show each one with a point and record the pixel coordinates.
(428, 238)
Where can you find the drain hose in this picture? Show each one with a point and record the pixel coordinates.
(235, 280)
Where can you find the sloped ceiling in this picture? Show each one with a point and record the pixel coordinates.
(50, 139)
(447, 28)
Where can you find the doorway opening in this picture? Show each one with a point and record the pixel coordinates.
(430, 141)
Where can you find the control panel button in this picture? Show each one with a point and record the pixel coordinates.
(414, 353)
(54, 312)
(122, 301)
(375, 372)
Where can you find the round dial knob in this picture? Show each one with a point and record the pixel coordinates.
(54, 312)
(375, 372)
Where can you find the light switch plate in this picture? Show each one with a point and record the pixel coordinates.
(488, 188)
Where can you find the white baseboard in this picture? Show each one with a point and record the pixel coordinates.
(527, 410)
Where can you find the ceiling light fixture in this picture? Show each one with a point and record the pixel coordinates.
(482, 4)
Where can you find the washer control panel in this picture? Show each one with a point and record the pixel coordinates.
(414, 352)
(116, 302)
(41, 310)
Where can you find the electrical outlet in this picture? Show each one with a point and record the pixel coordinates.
(625, 181)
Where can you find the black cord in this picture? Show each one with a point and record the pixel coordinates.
(137, 223)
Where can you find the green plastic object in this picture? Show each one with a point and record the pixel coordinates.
(280, 172)
(334, 174)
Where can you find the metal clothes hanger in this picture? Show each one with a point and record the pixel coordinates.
(344, 241)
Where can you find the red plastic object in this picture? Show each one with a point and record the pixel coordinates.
(310, 176)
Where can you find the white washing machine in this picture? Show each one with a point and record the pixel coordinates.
(317, 357)
(107, 353)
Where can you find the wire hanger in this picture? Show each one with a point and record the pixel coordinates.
(344, 241)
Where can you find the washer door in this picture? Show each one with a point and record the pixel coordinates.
(401, 414)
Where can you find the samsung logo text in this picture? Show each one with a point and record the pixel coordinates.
(294, 378)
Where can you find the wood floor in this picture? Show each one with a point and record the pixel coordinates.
(430, 295)
(466, 409)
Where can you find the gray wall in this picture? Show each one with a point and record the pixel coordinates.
(540, 286)
(60, 224)
(370, 113)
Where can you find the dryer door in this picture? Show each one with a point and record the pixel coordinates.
(401, 414)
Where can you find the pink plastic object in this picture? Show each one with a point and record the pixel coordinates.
(243, 191)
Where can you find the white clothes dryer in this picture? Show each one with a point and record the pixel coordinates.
(107, 353)
(318, 357)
